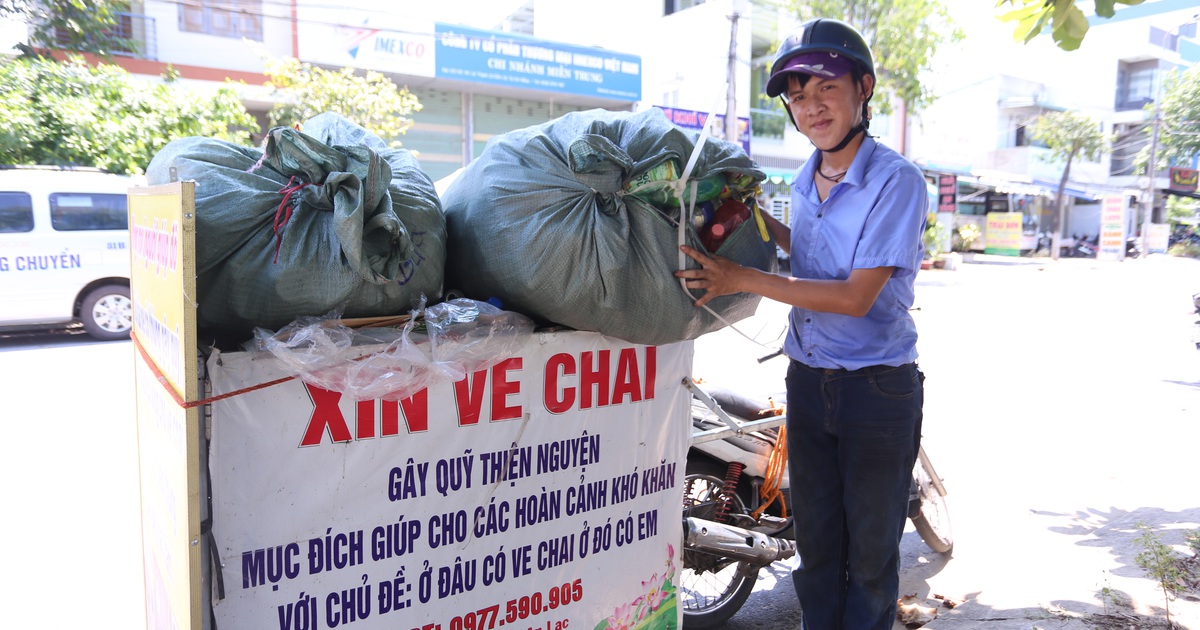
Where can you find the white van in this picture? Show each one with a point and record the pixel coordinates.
(64, 249)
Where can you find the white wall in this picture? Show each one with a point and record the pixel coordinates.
(197, 49)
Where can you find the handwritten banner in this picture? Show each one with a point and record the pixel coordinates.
(541, 493)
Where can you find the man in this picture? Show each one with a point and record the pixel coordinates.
(854, 392)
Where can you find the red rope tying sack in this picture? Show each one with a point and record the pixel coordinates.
(285, 210)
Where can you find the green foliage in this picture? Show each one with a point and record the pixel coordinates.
(86, 26)
(1181, 208)
(1070, 134)
(1179, 134)
(903, 36)
(934, 236)
(1186, 249)
(1159, 561)
(371, 100)
(74, 114)
(1068, 24)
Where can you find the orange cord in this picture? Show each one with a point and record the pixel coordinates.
(776, 464)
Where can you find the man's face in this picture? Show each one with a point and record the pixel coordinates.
(826, 110)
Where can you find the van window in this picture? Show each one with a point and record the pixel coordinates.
(16, 212)
(71, 212)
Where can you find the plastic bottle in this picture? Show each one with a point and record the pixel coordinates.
(703, 215)
(725, 220)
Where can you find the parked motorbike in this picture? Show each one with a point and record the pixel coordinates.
(736, 500)
(1196, 325)
(1131, 247)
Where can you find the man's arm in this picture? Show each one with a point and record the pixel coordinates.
(721, 276)
(780, 232)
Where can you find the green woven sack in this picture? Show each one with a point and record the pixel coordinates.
(542, 221)
(329, 219)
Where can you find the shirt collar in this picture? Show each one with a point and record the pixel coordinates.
(856, 174)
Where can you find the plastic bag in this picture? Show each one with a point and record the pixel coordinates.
(456, 338)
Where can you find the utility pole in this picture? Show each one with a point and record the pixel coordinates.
(1151, 193)
(731, 120)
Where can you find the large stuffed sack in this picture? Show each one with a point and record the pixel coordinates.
(331, 219)
(542, 220)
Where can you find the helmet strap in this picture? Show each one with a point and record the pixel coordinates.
(850, 135)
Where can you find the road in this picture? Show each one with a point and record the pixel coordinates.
(1062, 410)
(69, 483)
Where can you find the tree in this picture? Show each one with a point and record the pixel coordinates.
(1179, 133)
(1182, 210)
(371, 100)
(72, 113)
(903, 36)
(86, 26)
(1068, 135)
(1068, 24)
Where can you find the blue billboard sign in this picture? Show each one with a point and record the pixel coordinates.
(469, 54)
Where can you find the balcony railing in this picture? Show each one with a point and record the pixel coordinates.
(138, 30)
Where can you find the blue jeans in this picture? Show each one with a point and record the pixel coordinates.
(852, 442)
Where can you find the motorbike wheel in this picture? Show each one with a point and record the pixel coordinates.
(932, 522)
(710, 588)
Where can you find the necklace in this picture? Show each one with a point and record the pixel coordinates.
(833, 178)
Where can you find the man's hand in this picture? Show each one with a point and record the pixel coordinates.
(717, 276)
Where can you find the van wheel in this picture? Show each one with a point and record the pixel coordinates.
(107, 313)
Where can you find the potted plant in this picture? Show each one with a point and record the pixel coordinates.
(934, 236)
(960, 245)
(966, 235)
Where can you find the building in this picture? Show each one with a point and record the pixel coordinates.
(991, 89)
(481, 68)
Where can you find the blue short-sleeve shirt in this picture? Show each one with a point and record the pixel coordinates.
(873, 218)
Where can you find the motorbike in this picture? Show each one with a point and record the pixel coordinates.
(1196, 325)
(735, 504)
(1086, 247)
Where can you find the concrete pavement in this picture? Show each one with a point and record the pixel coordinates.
(1063, 410)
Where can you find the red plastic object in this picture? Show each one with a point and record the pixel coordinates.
(731, 214)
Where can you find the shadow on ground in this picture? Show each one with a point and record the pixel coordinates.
(1141, 604)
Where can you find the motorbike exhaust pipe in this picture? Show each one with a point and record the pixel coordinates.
(735, 542)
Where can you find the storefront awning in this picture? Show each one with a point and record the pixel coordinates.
(1021, 184)
(779, 175)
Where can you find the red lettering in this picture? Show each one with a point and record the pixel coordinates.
(366, 419)
(416, 411)
(594, 375)
(468, 394)
(502, 388)
(628, 382)
(416, 414)
(651, 371)
(559, 365)
(325, 414)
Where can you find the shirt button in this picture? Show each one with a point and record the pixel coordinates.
(810, 354)
(807, 320)
(819, 215)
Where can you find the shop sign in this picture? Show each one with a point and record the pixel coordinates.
(1184, 178)
(468, 54)
(947, 194)
(1003, 233)
(1112, 228)
(695, 121)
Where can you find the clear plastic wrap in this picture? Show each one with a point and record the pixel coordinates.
(444, 342)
